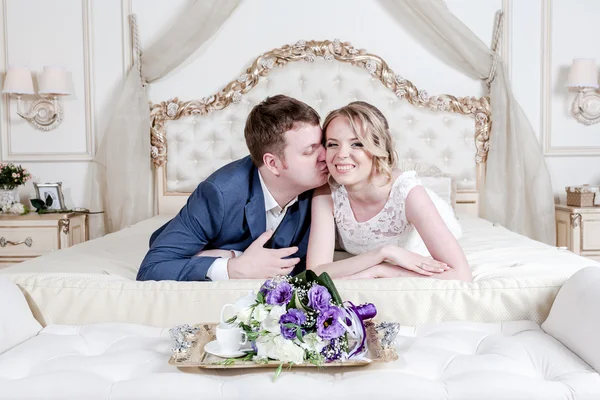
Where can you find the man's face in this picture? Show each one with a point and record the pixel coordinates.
(304, 164)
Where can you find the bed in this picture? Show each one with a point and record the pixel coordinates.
(445, 136)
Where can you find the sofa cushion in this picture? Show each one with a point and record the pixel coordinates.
(16, 320)
(574, 318)
(447, 361)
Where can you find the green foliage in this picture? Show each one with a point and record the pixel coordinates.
(324, 280)
(12, 175)
(41, 205)
(278, 372)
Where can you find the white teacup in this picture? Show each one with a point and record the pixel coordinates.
(230, 337)
(231, 310)
(228, 311)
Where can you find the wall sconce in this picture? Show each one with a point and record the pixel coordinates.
(45, 113)
(583, 75)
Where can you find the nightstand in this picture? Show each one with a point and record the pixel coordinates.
(28, 236)
(578, 229)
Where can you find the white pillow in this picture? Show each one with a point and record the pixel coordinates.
(574, 318)
(442, 186)
(16, 320)
(432, 179)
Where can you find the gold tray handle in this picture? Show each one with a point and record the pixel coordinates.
(27, 242)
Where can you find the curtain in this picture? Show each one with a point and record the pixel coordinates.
(122, 167)
(518, 190)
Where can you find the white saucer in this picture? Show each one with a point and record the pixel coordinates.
(214, 349)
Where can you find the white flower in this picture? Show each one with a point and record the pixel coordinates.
(271, 323)
(260, 313)
(264, 346)
(278, 348)
(17, 208)
(312, 342)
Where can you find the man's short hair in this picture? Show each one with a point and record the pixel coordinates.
(270, 120)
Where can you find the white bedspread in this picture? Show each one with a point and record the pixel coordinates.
(515, 278)
(492, 252)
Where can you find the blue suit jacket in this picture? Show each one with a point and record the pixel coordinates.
(226, 211)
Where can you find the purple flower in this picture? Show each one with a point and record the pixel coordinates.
(319, 298)
(293, 316)
(266, 287)
(328, 324)
(280, 295)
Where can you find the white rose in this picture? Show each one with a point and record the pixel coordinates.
(264, 346)
(17, 208)
(271, 323)
(261, 313)
(312, 342)
(286, 351)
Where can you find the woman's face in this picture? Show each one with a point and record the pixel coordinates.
(348, 162)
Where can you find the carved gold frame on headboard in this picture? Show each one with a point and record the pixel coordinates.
(478, 108)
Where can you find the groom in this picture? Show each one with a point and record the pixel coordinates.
(255, 210)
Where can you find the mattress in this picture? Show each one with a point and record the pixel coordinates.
(514, 278)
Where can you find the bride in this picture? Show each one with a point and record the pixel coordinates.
(379, 212)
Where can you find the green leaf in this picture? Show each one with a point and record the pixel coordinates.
(299, 334)
(298, 303)
(311, 276)
(301, 278)
(260, 298)
(278, 372)
(325, 280)
(231, 320)
(49, 201)
(38, 204)
(292, 303)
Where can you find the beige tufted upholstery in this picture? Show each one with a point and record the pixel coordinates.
(199, 145)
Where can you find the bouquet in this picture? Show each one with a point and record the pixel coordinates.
(303, 319)
(12, 175)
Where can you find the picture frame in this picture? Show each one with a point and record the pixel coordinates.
(54, 190)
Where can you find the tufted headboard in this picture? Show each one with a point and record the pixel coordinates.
(192, 139)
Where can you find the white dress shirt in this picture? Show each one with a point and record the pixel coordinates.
(274, 213)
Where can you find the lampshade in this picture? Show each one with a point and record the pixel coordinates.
(55, 80)
(583, 73)
(18, 80)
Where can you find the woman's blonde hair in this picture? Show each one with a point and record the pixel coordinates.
(372, 130)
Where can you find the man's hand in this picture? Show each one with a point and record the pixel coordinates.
(258, 262)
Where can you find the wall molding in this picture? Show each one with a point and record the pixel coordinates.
(90, 127)
(546, 94)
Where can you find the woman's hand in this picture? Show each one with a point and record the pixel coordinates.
(383, 270)
(412, 261)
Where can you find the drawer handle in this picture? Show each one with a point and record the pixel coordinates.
(28, 242)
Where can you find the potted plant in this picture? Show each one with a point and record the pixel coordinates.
(11, 177)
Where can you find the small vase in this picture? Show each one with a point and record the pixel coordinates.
(8, 197)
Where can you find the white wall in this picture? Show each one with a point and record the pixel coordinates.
(90, 37)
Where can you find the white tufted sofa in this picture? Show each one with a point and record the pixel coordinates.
(453, 360)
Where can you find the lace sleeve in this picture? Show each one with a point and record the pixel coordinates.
(405, 183)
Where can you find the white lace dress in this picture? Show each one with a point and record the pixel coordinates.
(390, 225)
